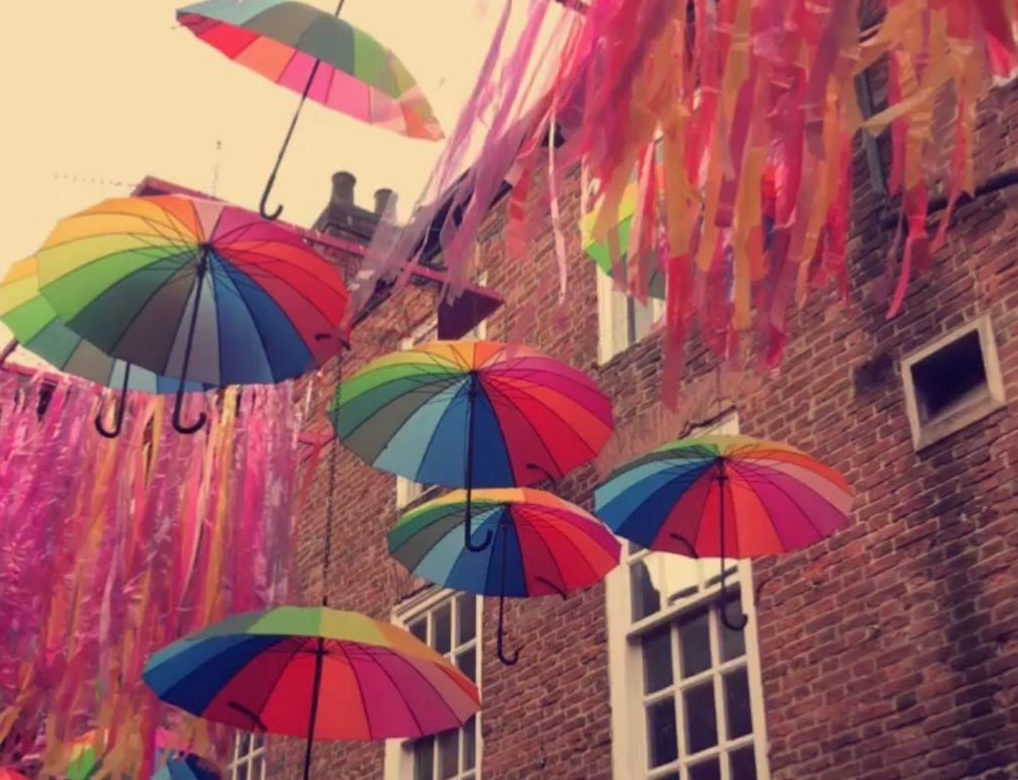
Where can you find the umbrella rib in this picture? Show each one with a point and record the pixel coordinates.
(272, 689)
(529, 423)
(551, 554)
(341, 647)
(553, 525)
(424, 385)
(396, 687)
(435, 690)
(803, 512)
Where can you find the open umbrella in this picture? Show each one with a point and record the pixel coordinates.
(423, 413)
(36, 327)
(320, 56)
(10, 774)
(315, 673)
(725, 497)
(542, 545)
(193, 289)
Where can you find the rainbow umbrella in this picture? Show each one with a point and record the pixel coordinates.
(768, 499)
(36, 327)
(193, 289)
(10, 774)
(316, 673)
(320, 56)
(422, 413)
(542, 545)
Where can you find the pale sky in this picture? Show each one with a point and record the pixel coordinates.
(114, 90)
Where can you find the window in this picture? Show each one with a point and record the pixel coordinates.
(686, 693)
(408, 491)
(952, 383)
(248, 761)
(450, 623)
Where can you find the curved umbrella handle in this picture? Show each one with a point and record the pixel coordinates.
(263, 204)
(506, 660)
(739, 623)
(468, 543)
(179, 426)
(118, 422)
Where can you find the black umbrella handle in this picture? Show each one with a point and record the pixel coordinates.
(739, 623)
(178, 403)
(469, 476)
(515, 658)
(118, 422)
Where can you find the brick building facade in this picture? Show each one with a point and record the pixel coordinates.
(889, 652)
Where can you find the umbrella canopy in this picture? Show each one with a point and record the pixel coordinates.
(193, 289)
(550, 545)
(36, 327)
(724, 496)
(283, 40)
(10, 774)
(421, 413)
(29, 316)
(316, 673)
(542, 545)
(190, 767)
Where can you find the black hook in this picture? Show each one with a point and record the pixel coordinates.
(263, 204)
(179, 401)
(468, 531)
(118, 422)
(740, 623)
(506, 661)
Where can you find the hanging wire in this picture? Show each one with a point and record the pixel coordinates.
(330, 500)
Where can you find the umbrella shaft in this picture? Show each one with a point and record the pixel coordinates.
(319, 655)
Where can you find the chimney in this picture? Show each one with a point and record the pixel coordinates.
(384, 198)
(342, 188)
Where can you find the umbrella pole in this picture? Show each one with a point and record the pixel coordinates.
(263, 204)
(118, 423)
(742, 620)
(467, 532)
(506, 661)
(319, 655)
(178, 403)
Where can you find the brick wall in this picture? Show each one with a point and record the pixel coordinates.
(889, 652)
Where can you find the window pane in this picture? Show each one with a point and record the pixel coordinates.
(740, 721)
(259, 768)
(467, 609)
(419, 628)
(708, 770)
(657, 659)
(694, 641)
(470, 744)
(442, 628)
(645, 598)
(257, 741)
(642, 320)
(733, 642)
(240, 772)
(448, 754)
(701, 724)
(467, 663)
(662, 743)
(424, 759)
(743, 764)
(681, 576)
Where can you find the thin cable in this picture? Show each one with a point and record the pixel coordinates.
(330, 501)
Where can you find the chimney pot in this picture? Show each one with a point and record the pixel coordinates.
(342, 188)
(383, 198)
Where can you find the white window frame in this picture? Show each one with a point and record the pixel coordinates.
(930, 432)
(625, 666)
(248, 755)
(399, 763)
